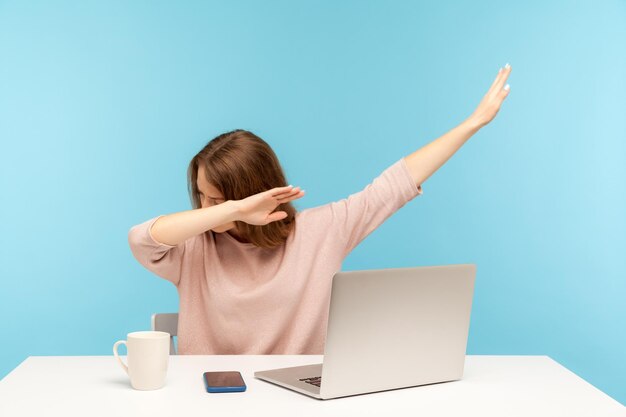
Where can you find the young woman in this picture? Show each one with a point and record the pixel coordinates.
(253, 275)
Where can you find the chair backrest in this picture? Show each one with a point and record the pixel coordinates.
(166, 322)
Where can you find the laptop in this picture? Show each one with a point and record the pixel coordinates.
(389, 329)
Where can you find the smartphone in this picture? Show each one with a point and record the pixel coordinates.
(225, 381)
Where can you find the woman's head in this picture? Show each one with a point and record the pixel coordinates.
(233, 166)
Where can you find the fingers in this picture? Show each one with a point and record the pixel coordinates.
(282, 192)
(297, 193)
(503, 93)
(503, 77)
(278, 215)
(279, 190)
(498, 83)
(495, 81)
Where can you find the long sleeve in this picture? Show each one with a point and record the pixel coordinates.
(352, 219)
(236, 298)
(159, 258)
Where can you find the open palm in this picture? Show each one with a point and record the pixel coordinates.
(491, 102)
(258, 209)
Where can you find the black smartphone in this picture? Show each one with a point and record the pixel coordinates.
(224, 381)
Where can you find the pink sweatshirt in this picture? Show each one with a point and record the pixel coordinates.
(236, 298)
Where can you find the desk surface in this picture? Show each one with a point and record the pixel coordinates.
(491, 386)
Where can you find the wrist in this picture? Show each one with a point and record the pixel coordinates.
(233, 210)
(474, 123)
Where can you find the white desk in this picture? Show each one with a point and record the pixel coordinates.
(491, 386)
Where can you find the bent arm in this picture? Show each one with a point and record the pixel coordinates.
(175, 228)
(425, 161)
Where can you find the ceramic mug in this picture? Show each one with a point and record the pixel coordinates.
(148, 356)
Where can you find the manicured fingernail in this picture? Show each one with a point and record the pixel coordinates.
(507, 65)
(506, 87)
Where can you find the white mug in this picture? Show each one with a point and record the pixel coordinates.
(148, 356)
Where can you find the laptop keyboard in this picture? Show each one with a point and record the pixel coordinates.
(316, 380)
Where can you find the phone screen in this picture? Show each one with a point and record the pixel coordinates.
(224, 381)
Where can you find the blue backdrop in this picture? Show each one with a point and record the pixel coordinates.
(103, 104)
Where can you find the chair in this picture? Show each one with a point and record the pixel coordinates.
(166, 322)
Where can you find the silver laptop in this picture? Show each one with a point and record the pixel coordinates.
(389, 329)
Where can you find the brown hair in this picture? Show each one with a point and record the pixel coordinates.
(240, 164)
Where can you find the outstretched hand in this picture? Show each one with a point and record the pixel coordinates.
(491, 102)
(258, 208)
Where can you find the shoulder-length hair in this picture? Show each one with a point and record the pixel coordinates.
(240, 164)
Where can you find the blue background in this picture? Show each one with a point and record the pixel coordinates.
(103, 104)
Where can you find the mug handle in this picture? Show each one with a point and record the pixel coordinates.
(120, 342)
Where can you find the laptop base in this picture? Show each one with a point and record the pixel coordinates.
(291, 378)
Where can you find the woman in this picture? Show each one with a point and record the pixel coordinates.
(253, 275)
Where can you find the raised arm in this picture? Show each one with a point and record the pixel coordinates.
(425, 161)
